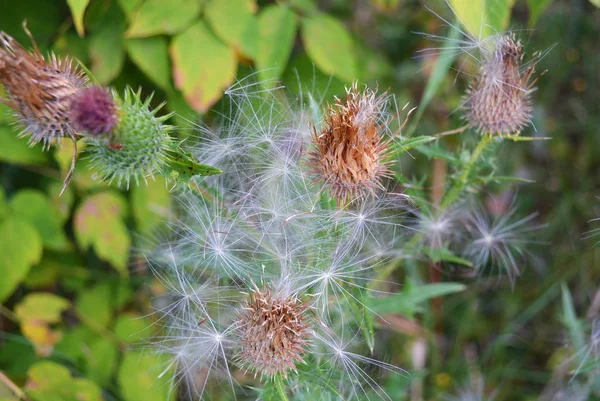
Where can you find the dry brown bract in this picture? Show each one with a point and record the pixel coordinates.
(40, 92)
(349, 156)
(274, 334)
(499, 98)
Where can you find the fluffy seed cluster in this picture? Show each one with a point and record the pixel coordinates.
(498, 100)
(93, 111)
(274, 334)
(349, 153)
(39, 91)
(138, 146)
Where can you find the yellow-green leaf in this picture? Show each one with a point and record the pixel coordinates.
(131, 328)
(483, 18)
(150, 204)
(151, 55)
(106, 47)
(16, 150)
(329, 44)
(141, 379)
(277, 30)
(34, 206)
(156, 17)
(203, 66)
(98, 223)
(20, 248)
(537, 7)
(41, 306)
(230, 20)
(77, 10)
(101, 360)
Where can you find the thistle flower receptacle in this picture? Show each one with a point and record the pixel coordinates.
(498, 100)
(350, 151)
(139, 143)
(39, 91)
(274, 334)
(93, 111)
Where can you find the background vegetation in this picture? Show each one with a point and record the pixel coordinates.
(75, 298)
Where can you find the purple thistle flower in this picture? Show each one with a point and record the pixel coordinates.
(93, 111)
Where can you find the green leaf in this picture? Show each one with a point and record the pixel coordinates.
(156, 17)
(20, 248)
(436, 151)
(596, 3)
(42, 306)
(277, 31)
(131, 328)
(97, 305)
(330, 46)
(3, 205)
(150, 204)
(129, 7)
(106, 47)
(140, 377)
(230, 20)
(404, 146)
(202, 79)
(34, 206)
(483, 18)
(85, 390)
(75, 343)
(60, 204)
(98, 223)
(182, 166)
(445, 255)
(16, 150)
(151, 55)
(77, 10)
(101, 361)
(570, 320)
(408, 301)
(48, 376)
(498, 14)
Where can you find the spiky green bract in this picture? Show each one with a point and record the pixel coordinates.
(139, 145)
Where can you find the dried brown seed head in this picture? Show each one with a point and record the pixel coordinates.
(349, 153)
(39, 91)
(274, 333)
(499, 97)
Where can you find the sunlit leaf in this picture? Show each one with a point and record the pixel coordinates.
(98, 223)
(132, 328)
(129, 7)
(230, 20)
(106, 46)
(163, 17)
(16, 150)
(140, 377)
(101, 360)
(97, 304)
(77, 10)
(277, 31)
(202, 66)
(42, 306)
(150, 204)
(20, 248)
(537, 7)
(330, 46)
(151, 55)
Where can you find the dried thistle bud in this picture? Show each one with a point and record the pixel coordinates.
(349, 156)
(39, 91)
(498, 100)
(273, 333)
(93, 111)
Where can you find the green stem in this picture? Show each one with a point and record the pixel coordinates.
(280, 386)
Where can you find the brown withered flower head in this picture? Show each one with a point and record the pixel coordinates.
(498, 100)
(274, 333)
(39, 91)
(350, 151)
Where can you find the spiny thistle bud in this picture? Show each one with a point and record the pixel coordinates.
(274, 333)
(93, 111)
(498, 100)
(350, 150)
(39, 91)
(138, 146)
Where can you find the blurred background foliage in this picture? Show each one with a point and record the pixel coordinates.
(76, 300)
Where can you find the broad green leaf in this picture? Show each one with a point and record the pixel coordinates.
(85, 390)
(596, 3)
(101, 361)
(202, 66)
(435, 151)
(408, 301)
(301, 65)
(77, 10)
(185, 116)
(16, 150)
(408, 144)
(132, 328)
(472, 16)
(277, 31)
(98, 223)
(150, 204)
(182, 166)
(3, 205)
(20, 248)
(498, 14)
(140, 377)
(330, 46)
(34, 206)
(129, 7)
(96, 305)
(48, 376)
(230, 20)
(42, 306)
(106, 46)
(60, 204)
(151, 55)
(75, 343)
(156, 17)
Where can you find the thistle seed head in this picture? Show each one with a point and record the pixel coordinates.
(93, 111)
(39, 91)
(498, 100)
(274, 332)
(349, 153)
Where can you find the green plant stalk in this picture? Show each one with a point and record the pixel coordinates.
(280, 386)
